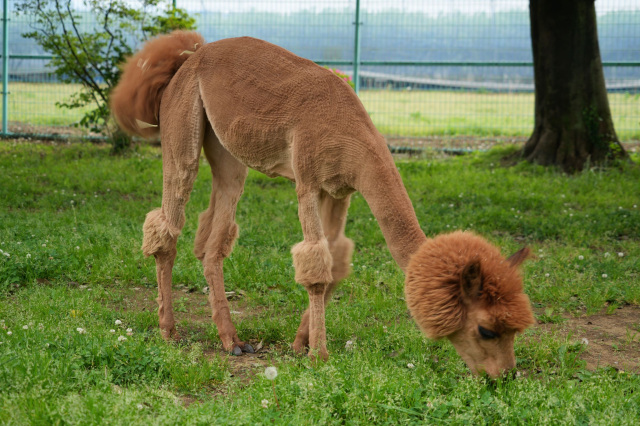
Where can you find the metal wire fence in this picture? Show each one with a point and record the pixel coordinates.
(452, 69)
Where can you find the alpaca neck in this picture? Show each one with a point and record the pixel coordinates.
(381, 186)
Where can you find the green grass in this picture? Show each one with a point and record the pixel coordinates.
(453, 113)
(71, 218)
(35, 103)
(394, 112)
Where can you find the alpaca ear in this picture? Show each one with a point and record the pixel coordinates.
(471, 280)
(518, 257)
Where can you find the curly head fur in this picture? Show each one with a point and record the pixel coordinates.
(135, 101)
(451, 272)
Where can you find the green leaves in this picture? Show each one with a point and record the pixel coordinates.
(88, 47)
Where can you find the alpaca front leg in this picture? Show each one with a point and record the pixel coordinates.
(164, 267)
(334, 217)
(317, 327)
(312, 262)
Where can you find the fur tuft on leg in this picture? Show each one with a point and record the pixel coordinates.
(159, 234)
(312, 262)
(341, 251)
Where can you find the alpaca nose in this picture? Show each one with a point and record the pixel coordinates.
(496, 369)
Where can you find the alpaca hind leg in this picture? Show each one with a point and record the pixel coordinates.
(181, 148)
(312, 263)
(216, 234)
(334, 217)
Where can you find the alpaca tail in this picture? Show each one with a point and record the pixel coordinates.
(135, 101)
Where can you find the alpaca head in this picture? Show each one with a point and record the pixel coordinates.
(460, 287)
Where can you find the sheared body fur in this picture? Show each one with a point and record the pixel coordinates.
(250, 103)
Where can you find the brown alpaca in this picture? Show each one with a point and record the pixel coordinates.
(250, 103)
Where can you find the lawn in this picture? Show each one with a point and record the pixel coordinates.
(78, 321)
(417, 113)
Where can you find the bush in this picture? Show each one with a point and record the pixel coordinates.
(343, 76)
(87, 47)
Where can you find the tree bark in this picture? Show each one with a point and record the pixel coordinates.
(573, 125)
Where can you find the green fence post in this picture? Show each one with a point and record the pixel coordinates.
(5, 66)
(356, 53)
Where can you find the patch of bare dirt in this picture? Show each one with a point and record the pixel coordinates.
(461, 143)
(612, 340)
(193, 317)
(473, 143)
(36, 131)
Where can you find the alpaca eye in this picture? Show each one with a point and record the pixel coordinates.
(486, 334)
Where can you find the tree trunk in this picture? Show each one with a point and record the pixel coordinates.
(573, 124)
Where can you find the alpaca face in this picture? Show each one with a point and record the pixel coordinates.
(484, 349)
(460, 287)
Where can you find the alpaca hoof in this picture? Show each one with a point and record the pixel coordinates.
(318, 357)
(300, 346)
(236, 351)
(248, 349)
(170, 335)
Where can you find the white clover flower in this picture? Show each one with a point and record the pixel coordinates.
(140, 406)
(77, 248)
(546, 275)
(410, 365)
(28, 256)
(620, 254)
(265, 403)
(9, 333)
(121, 338)
(46, 344)
(581, 257)
(271, 373)
(585, 341)
(129, 330)
(349, 345)
(81, 330)
(604, 275)
(25, 327)
(44, 245)
(112, 331)
(118, 322)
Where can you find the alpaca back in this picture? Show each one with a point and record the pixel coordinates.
(135, 101)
